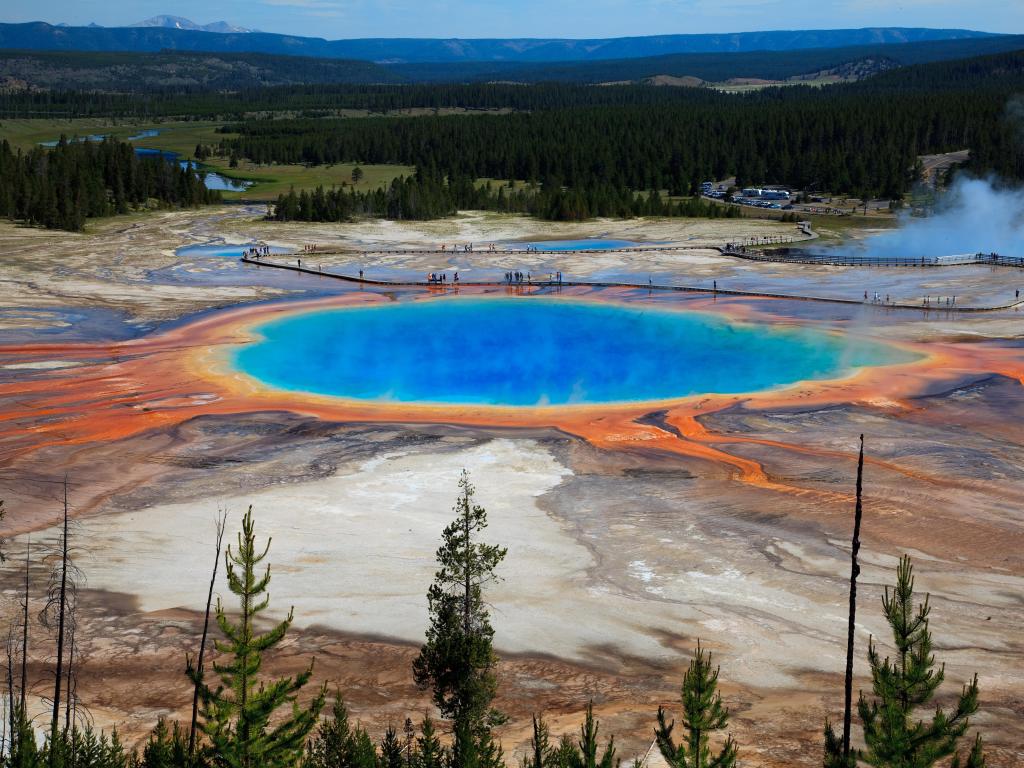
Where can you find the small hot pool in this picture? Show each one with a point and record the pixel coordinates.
(540, 351)
(229, 250)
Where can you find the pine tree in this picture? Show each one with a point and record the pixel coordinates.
(585, 755)
(237, 714)
(166, 747)
(975, 758)
(391, 750)
(541, 751)
(430, 753)
(703, 713)
(834, 756)
(457, 661)
(894, 739)
(24, 752)
(564, 754)
(338, 745)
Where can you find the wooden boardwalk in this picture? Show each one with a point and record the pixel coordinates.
(784, 256)
(451, 286)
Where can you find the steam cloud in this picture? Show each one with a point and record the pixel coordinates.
(975, 216)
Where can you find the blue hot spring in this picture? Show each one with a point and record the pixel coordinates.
(540, 351)
(590, 244)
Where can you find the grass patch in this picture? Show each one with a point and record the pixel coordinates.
(273, 180)
(180, 137)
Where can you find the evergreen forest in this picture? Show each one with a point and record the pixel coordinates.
(61, 187)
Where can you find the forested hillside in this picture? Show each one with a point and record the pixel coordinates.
(714, 67)
(174, 72)
(61, 187)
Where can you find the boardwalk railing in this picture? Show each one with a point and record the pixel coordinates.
(792, 256)
(529, 285)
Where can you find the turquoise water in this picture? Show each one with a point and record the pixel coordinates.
(590, 244)
(221, 249)
(526, 352)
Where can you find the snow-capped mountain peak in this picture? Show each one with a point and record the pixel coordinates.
(179, 22)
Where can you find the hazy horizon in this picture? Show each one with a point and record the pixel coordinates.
(575, 19)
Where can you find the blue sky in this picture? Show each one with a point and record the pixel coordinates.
(532, 18)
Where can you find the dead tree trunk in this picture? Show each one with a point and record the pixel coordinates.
(221, 526)
(70, 673)
(24, 630)
(10, 693)
(59, 672)
(854, 573)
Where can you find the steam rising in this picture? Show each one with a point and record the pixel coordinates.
(975, 216)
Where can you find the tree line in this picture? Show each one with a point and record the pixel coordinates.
(323, 99)
(424, 196)
(243, 719)
(61, 187)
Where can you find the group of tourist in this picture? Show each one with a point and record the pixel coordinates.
(940, 301)
(309, 248)
(527, 277)
(927, 301)
(465, 248)
(436, 277)
(256, 252)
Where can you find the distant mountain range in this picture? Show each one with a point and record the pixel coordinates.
(713, 67)
(184, 71)
(171, 33)
(178, 22)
